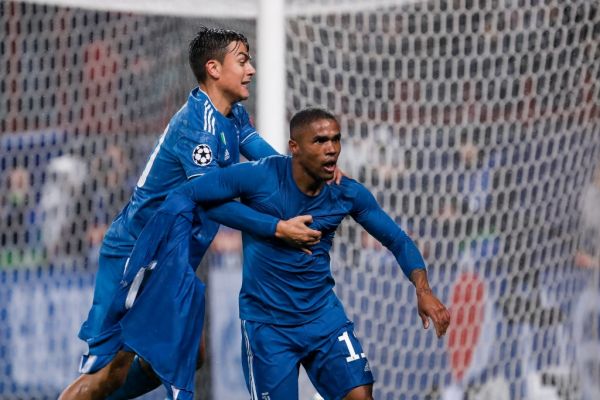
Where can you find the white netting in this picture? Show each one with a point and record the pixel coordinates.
(475, 123)
(84, 96)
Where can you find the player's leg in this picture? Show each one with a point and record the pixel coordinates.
(141, 379)
(269, 361)
(104, 367)
(101, 383)
(337, 365)
(364, 392)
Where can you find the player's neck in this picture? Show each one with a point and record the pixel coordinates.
(307, 184)
(217, 98)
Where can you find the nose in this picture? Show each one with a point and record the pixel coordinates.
(331, 147)
(250, 70)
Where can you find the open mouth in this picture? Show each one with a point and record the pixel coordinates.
(329, 166)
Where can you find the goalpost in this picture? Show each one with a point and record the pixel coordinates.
(476, 123)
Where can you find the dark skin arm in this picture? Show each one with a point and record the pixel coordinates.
(429, 306)
(296, 233)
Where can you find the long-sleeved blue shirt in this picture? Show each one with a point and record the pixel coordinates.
(197, 140)
(283, 285)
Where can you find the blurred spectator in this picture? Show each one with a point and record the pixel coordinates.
(60, 205)
(440, 247)
(18, 233)
(102, 108)
(588, 252)
(373, 157)
(109, 187)
(475, 183)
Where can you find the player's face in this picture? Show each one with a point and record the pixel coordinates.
(236, 72)
(317, 148)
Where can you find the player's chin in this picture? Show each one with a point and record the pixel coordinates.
(244, 93)
(327, 176)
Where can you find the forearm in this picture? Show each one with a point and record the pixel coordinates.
(428, 305)
(419, 278)
(384, 229)
(407, 253)
(241, 217)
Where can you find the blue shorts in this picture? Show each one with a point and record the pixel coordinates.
(102, 331)
(326, 347)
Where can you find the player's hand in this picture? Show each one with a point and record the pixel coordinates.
(431, 307)
(296, 233)
(337, 176)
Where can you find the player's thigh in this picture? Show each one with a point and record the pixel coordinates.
(339, 365)
(269, 362)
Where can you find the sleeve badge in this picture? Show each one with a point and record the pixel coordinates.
(202, 155)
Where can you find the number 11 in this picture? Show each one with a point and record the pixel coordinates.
(353, 356)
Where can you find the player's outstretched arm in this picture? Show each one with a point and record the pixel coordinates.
(296, 233)
(429, 306)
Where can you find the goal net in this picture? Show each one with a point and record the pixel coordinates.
(475, 123)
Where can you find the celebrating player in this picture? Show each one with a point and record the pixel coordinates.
(290, 313)
(208, 132)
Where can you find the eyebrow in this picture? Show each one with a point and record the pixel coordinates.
(336, 136)
(243, 53)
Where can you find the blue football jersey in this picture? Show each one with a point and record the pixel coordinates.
(198, 139)
(283, 285)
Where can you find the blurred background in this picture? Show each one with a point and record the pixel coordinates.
(476, 123)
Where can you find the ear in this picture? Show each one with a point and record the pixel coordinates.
(213, 69)
(293, 146)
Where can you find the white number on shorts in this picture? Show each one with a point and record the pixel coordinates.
(353, 356)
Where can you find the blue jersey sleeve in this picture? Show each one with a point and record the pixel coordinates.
(252, 145)
(241, 217)
(227, 184)
(197, 151)
(367, 212)
(239, 180)
(256, 148)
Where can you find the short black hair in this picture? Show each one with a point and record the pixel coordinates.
(211, 44)
(307, 116)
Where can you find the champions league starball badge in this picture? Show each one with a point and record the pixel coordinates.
(202, 155)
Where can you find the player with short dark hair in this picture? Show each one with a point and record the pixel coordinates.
(290, 313)
(209, 132)
(212, 44)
